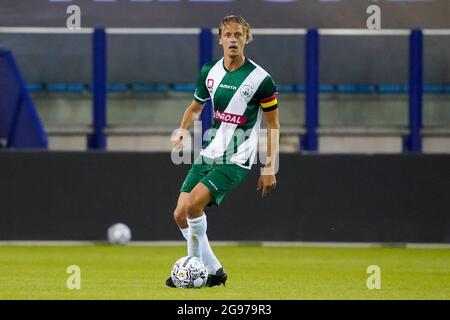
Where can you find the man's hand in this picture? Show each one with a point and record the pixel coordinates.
(191, 114)
(266, 183)
(177, 139)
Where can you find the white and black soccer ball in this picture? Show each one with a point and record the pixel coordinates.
(189, 272)
(119, 233)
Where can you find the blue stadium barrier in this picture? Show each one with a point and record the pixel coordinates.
(206, 55)
(184, 87)
(99, 78)
(286, 88)
(392, 89)
(413, 143)
(20, 125)
(117, 87)
(300, 88)
(433, 89)
(150, 87)
(56, 87)
(35, 87)
(346, 88)
(76, 87)
(142, 87)
(66, 87)
(310, 141)
(162, 87)
(355, 89)
(327, 88)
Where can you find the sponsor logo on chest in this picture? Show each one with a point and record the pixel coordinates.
(229, 117)
(228, 87)
(210, 85)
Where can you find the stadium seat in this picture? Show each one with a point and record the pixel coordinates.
(392, 89)
(35, 87)
(184, 87)
(117, 87)
(327, 88)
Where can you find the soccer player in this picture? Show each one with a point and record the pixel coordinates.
(241, 93)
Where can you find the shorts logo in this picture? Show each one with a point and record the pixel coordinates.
(210, 84)
(229, 117)
(213, 185)
(246, 91)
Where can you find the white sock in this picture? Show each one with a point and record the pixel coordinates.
(185, 232)
(196, 236)
(200, 244)
(209, 259)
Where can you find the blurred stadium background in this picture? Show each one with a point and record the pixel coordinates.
(86, 117)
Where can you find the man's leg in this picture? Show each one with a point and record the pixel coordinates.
(208, 257)
(197, 200)
(179, 215)
(198, 244)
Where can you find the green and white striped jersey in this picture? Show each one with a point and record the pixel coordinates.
(238, 97)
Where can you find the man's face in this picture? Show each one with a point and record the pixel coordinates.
(232, 40)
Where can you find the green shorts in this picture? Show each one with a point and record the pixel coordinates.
(218, 178)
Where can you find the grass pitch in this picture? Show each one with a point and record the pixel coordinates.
(139, 272)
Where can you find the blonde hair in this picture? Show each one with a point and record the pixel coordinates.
(238, 19)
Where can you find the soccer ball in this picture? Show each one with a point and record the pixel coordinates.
(119, 233)
(189, 272)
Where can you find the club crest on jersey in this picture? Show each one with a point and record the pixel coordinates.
(229, 117)
(210, 84)
(246, 91)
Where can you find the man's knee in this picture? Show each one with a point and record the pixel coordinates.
(192, 207)
(179, 215)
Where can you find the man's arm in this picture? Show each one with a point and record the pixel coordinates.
(191, 114)
(267, 181)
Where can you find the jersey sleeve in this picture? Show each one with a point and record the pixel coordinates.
(201, 94)
(267, 95)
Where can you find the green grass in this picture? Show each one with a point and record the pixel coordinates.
(139, 272)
